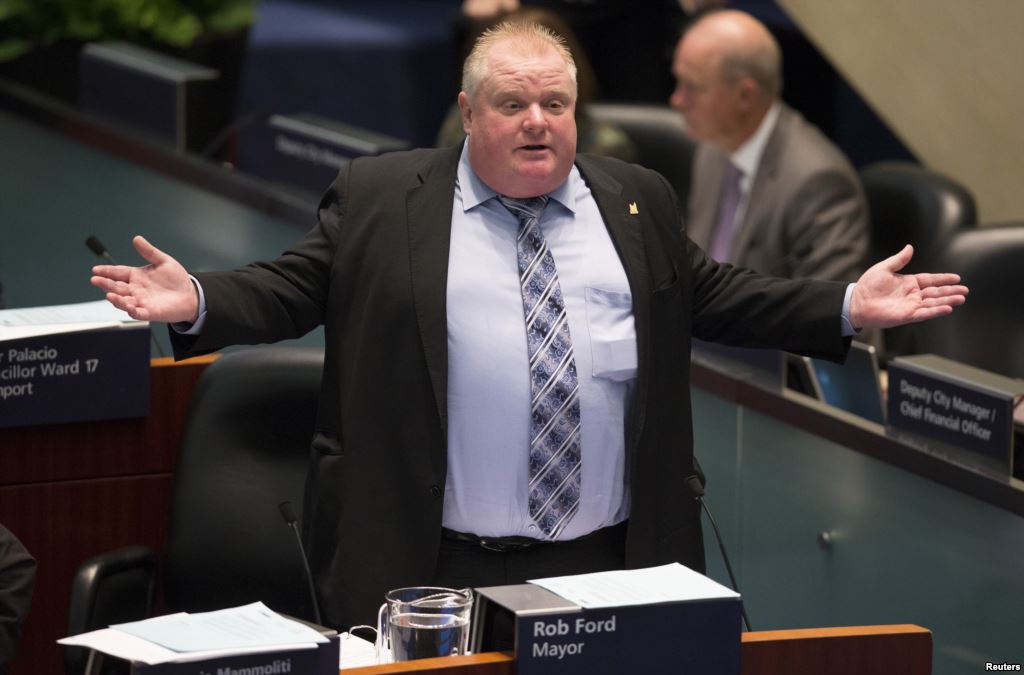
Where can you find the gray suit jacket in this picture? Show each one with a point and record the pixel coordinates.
(806, 216)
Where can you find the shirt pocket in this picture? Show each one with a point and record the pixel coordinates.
(612, 333)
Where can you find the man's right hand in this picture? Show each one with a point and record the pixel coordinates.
(159, 291)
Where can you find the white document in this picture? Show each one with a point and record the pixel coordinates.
(356, 652)
(253, 625)
(249, 629)
(620, 588)
(32, 321)
(130, 648)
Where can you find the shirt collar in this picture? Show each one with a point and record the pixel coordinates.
(475, 191)
(748, 156)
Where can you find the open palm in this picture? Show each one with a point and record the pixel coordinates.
(884, 298)
(159, 291)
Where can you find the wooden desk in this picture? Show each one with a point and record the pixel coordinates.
(71, 491)
(856, 650)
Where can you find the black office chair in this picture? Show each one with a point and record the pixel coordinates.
(987, 331)
(660, 138)
(909, 204)
(244, 450)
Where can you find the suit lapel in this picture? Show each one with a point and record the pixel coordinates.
(622, 213)
(709, 166)
(761, 199)
(429, 218)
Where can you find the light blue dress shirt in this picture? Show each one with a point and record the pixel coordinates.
(488, 367)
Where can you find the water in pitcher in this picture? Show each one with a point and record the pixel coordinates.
(419, 636)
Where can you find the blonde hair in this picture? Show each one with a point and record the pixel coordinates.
(530, 38)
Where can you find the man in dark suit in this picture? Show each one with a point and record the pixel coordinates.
(507, 324)
(768, 190)
(17, 579)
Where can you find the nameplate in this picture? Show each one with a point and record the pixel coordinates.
(322, 660)
(960, 406)
(307, 151)
(553, 636)
(74, 377)
(697, 638)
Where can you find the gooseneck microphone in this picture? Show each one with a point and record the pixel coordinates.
(696, 490)
(232, 128)
(97, 247)
(291, 520)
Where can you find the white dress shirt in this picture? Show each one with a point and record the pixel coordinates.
(747, 157)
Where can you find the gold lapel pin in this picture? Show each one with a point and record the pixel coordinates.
(633, 210)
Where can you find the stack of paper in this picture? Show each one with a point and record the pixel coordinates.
(182, 637)
(652, 585)
(31, 321)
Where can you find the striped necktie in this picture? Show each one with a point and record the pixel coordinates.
(555, 408)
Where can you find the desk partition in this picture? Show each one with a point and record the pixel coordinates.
(856, 650)
(830, 522)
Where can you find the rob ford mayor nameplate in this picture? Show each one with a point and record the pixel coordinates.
(74, 377)
(617, 622)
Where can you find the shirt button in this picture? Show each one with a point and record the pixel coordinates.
(435, 491)
(532, 528)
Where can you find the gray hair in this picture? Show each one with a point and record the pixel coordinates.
(531, 38)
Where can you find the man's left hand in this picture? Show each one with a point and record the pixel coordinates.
(884, 298)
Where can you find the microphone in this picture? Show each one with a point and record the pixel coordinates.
(233, 127)
(696, 490)
(97, 247)
(291, 520)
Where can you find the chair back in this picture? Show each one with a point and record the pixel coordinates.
(660, 138)
(910, 204)
(114, 587)
(988, 330)
(244, 450)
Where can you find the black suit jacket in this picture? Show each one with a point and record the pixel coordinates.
(373, 271)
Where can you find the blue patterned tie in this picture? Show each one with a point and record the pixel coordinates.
(555, 406)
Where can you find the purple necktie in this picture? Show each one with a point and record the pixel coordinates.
(725, 229)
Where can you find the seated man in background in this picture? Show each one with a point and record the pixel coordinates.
(769, 191)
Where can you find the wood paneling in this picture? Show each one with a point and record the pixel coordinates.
(856, 650)
(72, 491)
